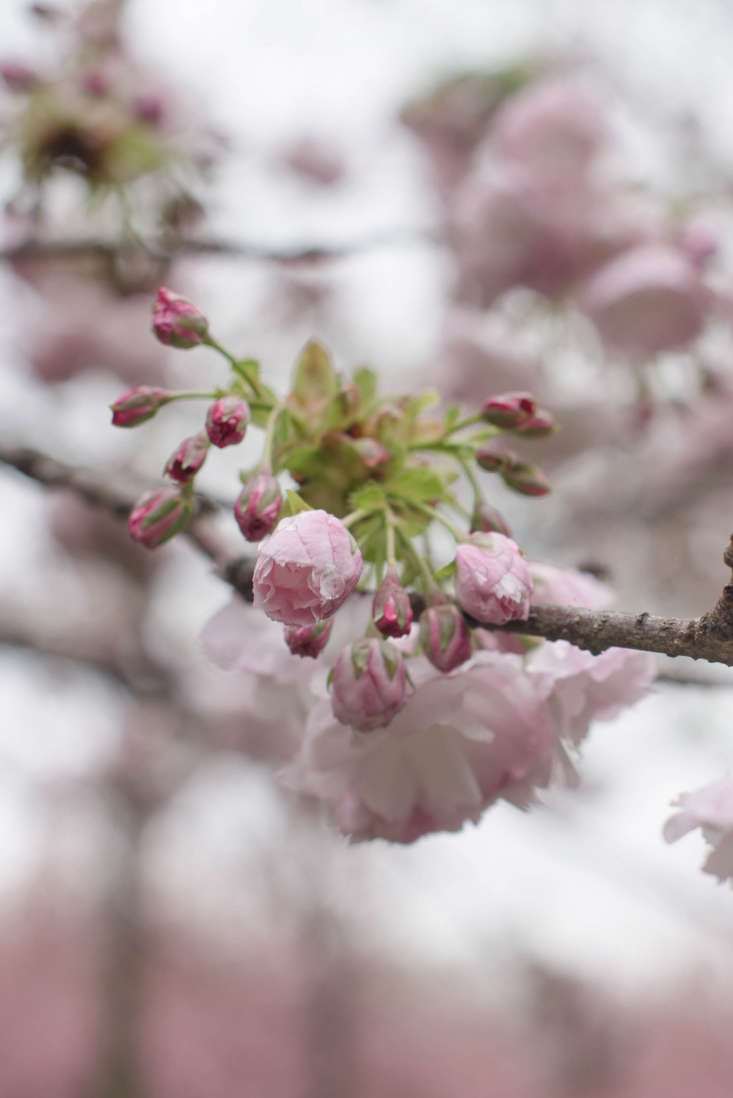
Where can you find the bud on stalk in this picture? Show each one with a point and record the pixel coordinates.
(185, 461)
(308, 640)
(369, 684)
(176, 322)
(444, 636)
(138, 405)
(226, 421)
(258, 508)
(528, 480)
(391, 609)
(158, 517)
(487, 520)
(509, 410)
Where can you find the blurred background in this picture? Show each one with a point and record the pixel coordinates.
(472, 196)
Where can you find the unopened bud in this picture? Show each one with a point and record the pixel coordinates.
(391, 609)
(159, 516)
(495, 461)
(369, 684)
(226, 421)
(186, 460)
(371, 452)
(529, 480)
(444, 636)
(308, 640)
(176, 322)
(487, 520)
(258, 508)
(509, 410)
(137, 405)
(541, 424)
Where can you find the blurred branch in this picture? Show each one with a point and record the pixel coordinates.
(266, 253)
(708, 637)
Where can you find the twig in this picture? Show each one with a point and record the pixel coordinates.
(247, 250)
(708, 637)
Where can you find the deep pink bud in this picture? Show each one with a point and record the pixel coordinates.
(226, 421)
(308, 640)
(258, 508)
(391, 609)
(493, 582)
(495, 461)
(306, 569)
(487, 520)
(541, 424)
(149, 108)
(158, 516)
(529, 480)
(509, 410)
(186, 460)
(369, 684)
(96, 82)
(176, 322)
(137, 405)
(444, 636)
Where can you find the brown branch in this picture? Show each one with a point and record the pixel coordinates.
(264, 253)
(709, 637)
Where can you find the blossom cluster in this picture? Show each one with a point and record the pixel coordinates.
(426, 716)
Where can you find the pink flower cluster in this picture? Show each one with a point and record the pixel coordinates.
(711, 809)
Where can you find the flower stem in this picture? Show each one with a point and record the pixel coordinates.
(425, 573)
(471, 476)
(433, 514)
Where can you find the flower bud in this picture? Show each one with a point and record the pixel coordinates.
(495, 461)
(258, 508)
(137, 405)
(509, 410)
(185, 461)
(444, 636)
(369, 686)
(391, 609)
(487, 520)
(541, 424)
(158, 516)
(176, 322)
(226, 421)
(308, 640)
(493, 582)
(529, 480)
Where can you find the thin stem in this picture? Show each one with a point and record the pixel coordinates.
(389, 523)
(475, 487)
(265, 463)
(468, 422)
(427, 576)
(433, 514)
(355, 516)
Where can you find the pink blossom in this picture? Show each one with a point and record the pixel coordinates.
(176, 322)
(368, 686)
(444, 637)
(493, 583)
(138, 405)
(306, 569)
(552, 126)
(568, 587)
(585, 687)
(460, 742)
(711, 809)
(158, 517)
(646, 300)
(226, 421)
(257, 509)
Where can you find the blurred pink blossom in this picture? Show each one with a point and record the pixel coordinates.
(711, 809)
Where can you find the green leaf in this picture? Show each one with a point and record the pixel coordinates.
(293, 504)
(415, 485)
(368, 498)
(452, 416)
(367, 384)
(248, 369)
(315, 380)
(446, 572)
